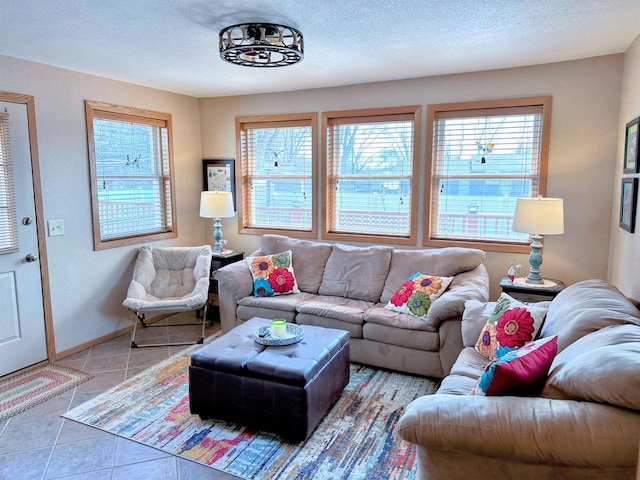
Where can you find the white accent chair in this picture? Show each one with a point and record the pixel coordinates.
(169, 280)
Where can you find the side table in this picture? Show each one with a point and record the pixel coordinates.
(527, 292)
(219, 260)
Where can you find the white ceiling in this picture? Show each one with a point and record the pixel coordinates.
(173, 44)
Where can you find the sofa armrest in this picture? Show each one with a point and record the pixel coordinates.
(471, 285)
(236, 278)
(525, 429)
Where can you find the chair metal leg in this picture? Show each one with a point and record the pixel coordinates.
(141, 320)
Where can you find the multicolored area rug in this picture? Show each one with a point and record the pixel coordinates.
(21, 391)
(355, 440)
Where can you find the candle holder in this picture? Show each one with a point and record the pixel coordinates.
(278, 327)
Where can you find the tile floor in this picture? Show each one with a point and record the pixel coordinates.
(40, 444)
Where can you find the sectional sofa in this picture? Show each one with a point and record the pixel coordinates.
(348, 288)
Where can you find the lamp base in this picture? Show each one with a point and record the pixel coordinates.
(535, 260)
(218, 238)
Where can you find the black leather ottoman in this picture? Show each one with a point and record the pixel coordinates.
(286, 389)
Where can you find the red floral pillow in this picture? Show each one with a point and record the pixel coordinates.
(415, 295)
(510, 326)
(273, 275)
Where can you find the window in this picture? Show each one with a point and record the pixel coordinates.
(484, 156)
(277, 174)
(8, 223)
(371, 157)
(130, 153)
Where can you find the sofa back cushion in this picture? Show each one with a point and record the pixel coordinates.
(308, 258)
(441, 262)
(585, 307)
(356, 272)
(603, 366)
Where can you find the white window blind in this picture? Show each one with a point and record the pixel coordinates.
(483, 160)
(277, 170)
(131, 165)
(370, 174)
(8, 222)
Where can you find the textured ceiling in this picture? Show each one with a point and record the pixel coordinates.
(172, 44)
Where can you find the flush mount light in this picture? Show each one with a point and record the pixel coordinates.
(261, 45)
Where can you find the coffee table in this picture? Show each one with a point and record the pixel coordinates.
(283, 389)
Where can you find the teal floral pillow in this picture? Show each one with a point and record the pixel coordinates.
(417, 293)
(273, 275)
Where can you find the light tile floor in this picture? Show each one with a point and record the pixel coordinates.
(40, 444)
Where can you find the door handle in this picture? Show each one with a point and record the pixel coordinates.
(31, 257)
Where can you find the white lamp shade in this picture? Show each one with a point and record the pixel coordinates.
(544, 216)
(216, 204)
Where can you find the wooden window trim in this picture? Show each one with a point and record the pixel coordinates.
(141, 116)
(479, 107)
(341, 117)
(306, 119)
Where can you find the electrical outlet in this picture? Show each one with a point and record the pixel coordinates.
(55, 227)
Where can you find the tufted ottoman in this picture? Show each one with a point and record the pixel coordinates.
(285, 389)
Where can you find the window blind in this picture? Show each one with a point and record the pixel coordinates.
(483, 160)
(277, 175)
(8, 221)
(370, 174)
(133, 177)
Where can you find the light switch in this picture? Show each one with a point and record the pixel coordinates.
(55, 227)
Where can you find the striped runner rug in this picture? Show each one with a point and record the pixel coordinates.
(357, 439)
(23, 390)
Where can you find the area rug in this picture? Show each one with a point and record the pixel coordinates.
(21, 391)
(357, 439)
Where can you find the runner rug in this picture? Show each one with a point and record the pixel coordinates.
(357, 439)
(21, 391)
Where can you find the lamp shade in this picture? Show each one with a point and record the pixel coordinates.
(539, 215)
(216, 204)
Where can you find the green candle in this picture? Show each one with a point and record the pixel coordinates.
(278, 327)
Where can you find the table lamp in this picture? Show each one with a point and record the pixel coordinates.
(217, 204)
(538, 216)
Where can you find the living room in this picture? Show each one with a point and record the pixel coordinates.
(593, 99)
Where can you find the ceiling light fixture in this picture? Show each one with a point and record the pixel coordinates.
(261, 45)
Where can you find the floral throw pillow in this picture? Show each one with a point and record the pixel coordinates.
(273, 275)
(415, 295)
(521, 371)
(510, 326)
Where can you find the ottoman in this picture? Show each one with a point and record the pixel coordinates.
(283, 389)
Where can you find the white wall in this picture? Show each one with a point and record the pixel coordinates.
(582, 163)
(87, 287)
(624, 262)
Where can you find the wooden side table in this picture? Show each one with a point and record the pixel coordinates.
(527, 292)
(219, 260)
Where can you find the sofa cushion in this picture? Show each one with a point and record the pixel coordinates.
(415, 295)
(521, 371)
(381, 315)
(443, 262)
(509, 326)
(273, 274)
(309, 258)
(585, 307)
(603, 366)
(416, 339)
(339, 308)
(456, 385)
(469, 364)
(355, 330)
(354, 272)
(286, 303)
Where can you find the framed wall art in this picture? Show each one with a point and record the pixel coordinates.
(628, 204)
(631, 139)
(220, 174)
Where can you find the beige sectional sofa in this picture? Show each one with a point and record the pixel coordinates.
(347, 287)
(584, 425)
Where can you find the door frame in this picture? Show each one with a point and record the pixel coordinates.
(29, 102)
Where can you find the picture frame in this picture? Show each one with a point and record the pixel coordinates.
(628, 204)
(219, 174)
(631, 146)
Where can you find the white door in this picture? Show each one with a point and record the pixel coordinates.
(22, 327)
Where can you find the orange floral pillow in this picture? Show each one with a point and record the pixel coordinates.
(273, 275)
(510, 326)
(415, 295)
